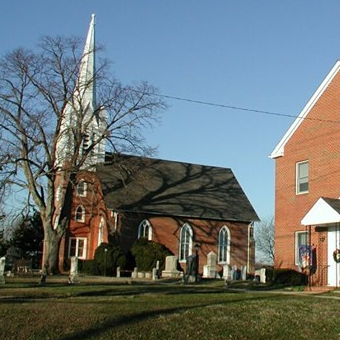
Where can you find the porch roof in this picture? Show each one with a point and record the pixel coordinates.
(324, 211)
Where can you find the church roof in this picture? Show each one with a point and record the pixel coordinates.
(161, 187)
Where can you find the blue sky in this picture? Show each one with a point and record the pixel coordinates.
(268, 55)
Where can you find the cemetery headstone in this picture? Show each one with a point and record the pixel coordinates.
(134, 274)
(210, 269)
(74, 269)
(2, 270)
(171, 267)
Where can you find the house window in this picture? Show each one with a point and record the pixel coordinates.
(145, 230)
(224, 245)
(185, 248)
(81, 189)
(77, 247)
(302, 177)
(301, 239)
(80, 214)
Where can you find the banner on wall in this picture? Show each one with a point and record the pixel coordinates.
(305, 256)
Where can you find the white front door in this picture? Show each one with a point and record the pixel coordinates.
(333, 267)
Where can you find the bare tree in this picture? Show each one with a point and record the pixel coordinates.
(39, 91)
(264, 241)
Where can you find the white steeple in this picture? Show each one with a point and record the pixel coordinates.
(82, 111)
(88, 68)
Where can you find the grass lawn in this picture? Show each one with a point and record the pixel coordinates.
(162, 311)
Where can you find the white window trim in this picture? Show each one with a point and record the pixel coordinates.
(296, 249)
(187, 226)
(141, 229)
(297, 178)
(228, 245)
(85, 188)
(82, 220)
(83, 257)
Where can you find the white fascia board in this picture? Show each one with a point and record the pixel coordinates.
(321, 213)
(279, 150)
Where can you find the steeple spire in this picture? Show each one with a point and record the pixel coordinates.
(88, 68)
(82, 111)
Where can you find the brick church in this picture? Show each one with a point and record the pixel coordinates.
(174, 203)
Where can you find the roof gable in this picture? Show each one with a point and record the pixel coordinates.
(170, 188)
(324, 211)
(279, 149)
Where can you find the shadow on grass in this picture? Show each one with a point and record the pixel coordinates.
(99, 330)
(31, 292)
(65, 292)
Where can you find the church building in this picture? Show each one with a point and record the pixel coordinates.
(125, 197)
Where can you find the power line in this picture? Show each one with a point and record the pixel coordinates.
(232, 107)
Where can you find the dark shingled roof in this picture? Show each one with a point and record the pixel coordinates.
(333, 202)
(155, 186)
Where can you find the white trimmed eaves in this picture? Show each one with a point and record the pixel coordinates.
(279, 150)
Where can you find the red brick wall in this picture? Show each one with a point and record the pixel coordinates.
(317, 141)
(95, 210)
(166, 230)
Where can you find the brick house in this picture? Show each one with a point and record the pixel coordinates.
(307, 190)
(126, 197)
(173, 203)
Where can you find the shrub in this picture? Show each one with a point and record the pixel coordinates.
(287, 277)
(88, 267)
(107, 258)
(147, 253)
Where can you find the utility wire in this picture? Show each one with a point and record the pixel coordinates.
(231, 107)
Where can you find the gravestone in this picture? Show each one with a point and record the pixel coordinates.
(226, 272)
(2, 270)
(74, 269)
(118, 272)
(134, 274)
(171, 267)
(234, 273)
(263, 275)
(260, 275)
(141, 275)
(244, 273)
(210, 269)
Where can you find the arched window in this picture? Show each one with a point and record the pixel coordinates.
(81, 188)
(80, 214)
(224, 245)
(185, 245)
(251, 232)
(101, 232)
(145, 230)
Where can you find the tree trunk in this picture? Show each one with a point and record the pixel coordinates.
(51, 252)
